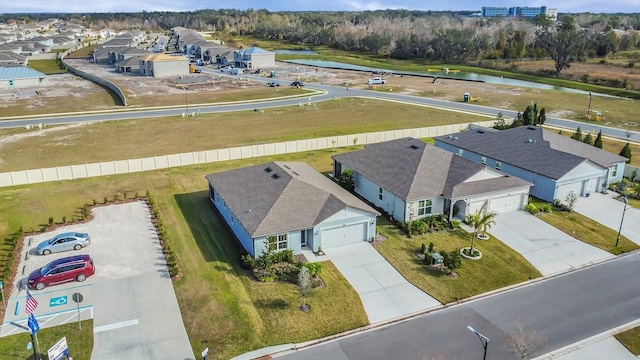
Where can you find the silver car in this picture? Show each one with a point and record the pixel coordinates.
(64, 242)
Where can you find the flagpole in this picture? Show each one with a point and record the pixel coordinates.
(38, 345)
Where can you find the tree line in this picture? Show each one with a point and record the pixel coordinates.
(450, 37)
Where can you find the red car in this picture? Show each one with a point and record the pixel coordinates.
(71, 268)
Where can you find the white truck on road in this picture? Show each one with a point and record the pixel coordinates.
(376, 80)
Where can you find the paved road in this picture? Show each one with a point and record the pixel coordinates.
(328, 93)
(565, 309)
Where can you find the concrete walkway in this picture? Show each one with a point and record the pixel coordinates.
(608, 211)
(384, 292)
(548, 249)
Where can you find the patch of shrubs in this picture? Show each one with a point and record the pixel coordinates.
(279, 265)
(169, 255)
(428, 224)
(450, 260)
(533, 209)
(559, 205)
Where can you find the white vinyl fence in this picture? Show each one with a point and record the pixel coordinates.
(72, 172)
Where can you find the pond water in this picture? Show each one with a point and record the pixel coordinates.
(444, 75)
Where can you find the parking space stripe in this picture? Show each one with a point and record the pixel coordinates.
(114, 326)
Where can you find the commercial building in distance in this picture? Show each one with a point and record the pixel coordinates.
(522, 12)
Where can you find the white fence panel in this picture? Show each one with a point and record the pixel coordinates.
(35, 176)
(211, 156)
(135, 165)
(235, 153)
(94, 170)
(121, 166)
(187, 158)
(6, 179)
(223, 155)
(108, 167)
(78, 171)
(65, 173)
(19, 177)
(173, 160)
(281, 148)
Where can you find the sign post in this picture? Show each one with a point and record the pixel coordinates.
(59, 350)
(77, 297)
(204, 354)
(32, 343)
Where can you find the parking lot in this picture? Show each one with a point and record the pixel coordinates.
(130, 289)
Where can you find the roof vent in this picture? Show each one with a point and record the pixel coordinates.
(530, 140)
(450, 136)
(414, 147)
(275, 176)
(268, 169)
(531, 128)
(287, 166)
(455, 138)
(295, 173)
(480, 132)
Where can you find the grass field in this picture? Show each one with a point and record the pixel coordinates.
(122, 139)
(85, 52)
(48, 66)
(499, 266)
(586, 230)
(80, 342)
(631, 340)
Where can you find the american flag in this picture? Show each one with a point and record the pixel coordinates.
(32, 303)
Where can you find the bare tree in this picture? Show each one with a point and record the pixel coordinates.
(523, 342)
(304, 287)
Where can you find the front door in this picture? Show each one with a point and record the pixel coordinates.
(303, 237)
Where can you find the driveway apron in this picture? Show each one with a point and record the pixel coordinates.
(548, 249)
(608, 211)
(385, 294)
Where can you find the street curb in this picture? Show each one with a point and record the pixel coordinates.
(588, 341)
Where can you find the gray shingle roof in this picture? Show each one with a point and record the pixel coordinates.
(19, 72)
(532, 148)
(413, 170)
(289, 197)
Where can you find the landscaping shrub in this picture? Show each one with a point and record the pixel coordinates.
(546, 208)
(532, 209)
(452, 260)
(428, 258)
(425, 225)
(314, 269)
(561, 206)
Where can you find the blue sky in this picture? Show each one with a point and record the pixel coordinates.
(571, 6)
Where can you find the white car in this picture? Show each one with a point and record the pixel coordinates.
(376, 80)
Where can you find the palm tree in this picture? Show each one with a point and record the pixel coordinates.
(481, 222)
(486, 221)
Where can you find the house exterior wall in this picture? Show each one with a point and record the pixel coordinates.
(262, 60)
(170, 68)
(241, 234)
(390, 203)
(587, 177)
(411, 208)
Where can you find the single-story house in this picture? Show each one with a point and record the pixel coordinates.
(20, 77)
(289, 205)
(159, 65)
(129, 65)
(409, 179)
(555, 164)
(254, 58)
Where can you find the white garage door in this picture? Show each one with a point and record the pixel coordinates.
(475, 206)
(344, 235)
(506, 203)
(564, 190)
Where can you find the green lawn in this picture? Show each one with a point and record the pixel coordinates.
(80, 342)
(631, 340)
(499, 266)
(586, 230)
(48, 66)
(222, 308)
(130, 139)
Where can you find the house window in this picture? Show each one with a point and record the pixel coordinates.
(380, 193)
(483, 160)
(614, 171)
(277, 242)
(460, 152)
(424, 207)
(498, 165)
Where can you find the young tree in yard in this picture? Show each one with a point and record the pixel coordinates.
(626, 152)
(577, 135)
(480, 221)
(542, 116)
(598, 142)
(528, 116)
(564, 42)
(346, 180)
(304, 286)
(571, 200)
(500, 122)
(523, 343)
(588, 139)
(452, 260)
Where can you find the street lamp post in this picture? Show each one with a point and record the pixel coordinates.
(589, 109)
(483, 340)
(186, 99)
(625, 201)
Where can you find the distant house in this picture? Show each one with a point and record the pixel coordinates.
(409, 179)
(289, 205)
(555, 164)
(254, 58)
(107, 33)
(19, 77)
(160, 65)
(129, 65)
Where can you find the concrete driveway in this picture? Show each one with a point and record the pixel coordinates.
(384, 292)
(548, 249)
(608, 211)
